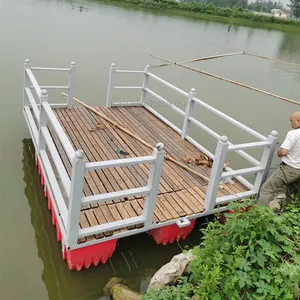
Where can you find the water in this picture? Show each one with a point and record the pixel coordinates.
(51, 33)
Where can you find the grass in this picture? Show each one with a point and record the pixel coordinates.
(164, 7)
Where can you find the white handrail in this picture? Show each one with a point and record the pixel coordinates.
(231, 120)
(118, 163)
(59, 131)
(33, 81)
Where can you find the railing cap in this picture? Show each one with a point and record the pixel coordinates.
(224, 139)
(274, 133)
(160, 146)
(27, 61)
(113, 65)
(193, 91)
(79, 154)
(44, 92)
(73, 64)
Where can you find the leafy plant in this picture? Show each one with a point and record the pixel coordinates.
(254, 255)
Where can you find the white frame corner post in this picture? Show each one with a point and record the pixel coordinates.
(75, 198)
(266, 161)
(111, 84)
(145, 85)
(153, 183)
(42, 121)
(216, 174)
(71, 88)
(26, 82)
(188, 113)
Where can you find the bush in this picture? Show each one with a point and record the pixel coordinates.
(254, 255)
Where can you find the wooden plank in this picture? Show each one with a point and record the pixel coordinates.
(86, 187)
(178, 148)
(131, 212)
(124, 214)
(189, 201)
(168, 206)
(90, 177)
(85, 224)
(105, 178)
(175, 205)
(124, 173)
(81, 240)
(93, 221)
(198, 201)
(135, 127)
(181, 203)
(154, 133)
(163, 209)
(144, 132)
(96, 146)
(134, 148)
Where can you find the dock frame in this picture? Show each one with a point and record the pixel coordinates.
(39, 113)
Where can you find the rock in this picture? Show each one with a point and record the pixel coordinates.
(122, 292)
(112, 282)
(171, 272)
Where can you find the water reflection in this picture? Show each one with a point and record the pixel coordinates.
(290, 46)
(136, 259)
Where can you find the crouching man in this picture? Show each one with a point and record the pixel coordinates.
(289, 169)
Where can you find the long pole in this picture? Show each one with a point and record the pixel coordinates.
(116, 124)
(274, 59)
(199, 59)
(228, 80)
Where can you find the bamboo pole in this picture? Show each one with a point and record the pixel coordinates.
(274, 59)
(199, 59)
(228, 80)
(116, 124)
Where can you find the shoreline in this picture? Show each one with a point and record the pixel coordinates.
(135, 4)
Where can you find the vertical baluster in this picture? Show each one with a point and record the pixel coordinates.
(188, 113)
(216, 173)
(153, 183)
(111, 84)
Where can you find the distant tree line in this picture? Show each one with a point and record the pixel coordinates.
(264, 6)
(258, 5)
(295, 7)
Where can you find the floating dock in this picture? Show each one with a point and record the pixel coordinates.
(103, 184)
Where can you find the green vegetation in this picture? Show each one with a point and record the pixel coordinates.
(295, 7)
(254, 255)
(238, 16)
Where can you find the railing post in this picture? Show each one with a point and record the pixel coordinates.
(266, 160)
(26, 82)
(153, 183)
(71, 84)
(145, 85)
(216, 171)
(188, 114)
(111, 84)
(42, 121)
(75, 199)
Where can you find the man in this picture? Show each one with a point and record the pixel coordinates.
(289, 169)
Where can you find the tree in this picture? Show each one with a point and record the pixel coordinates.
(295, 7)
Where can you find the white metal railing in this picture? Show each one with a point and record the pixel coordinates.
(260, 168)
(149, 191)
(39, 115)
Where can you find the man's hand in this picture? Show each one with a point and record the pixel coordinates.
(282, 152)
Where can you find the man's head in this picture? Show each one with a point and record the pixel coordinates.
(295, 119)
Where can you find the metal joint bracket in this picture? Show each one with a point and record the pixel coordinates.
(183, 222)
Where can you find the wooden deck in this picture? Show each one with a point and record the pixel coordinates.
(180, 192)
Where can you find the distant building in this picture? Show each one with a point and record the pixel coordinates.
(279, 13)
